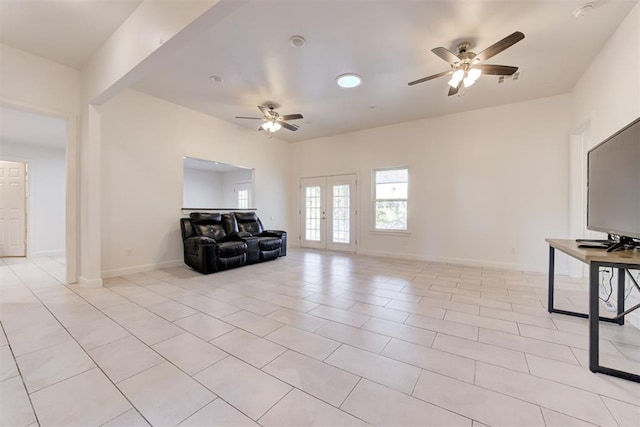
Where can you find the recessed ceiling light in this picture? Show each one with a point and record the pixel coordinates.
(348, 80)
(297, 41)
(216, 79)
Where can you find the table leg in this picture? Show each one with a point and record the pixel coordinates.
(594, 308)
(551, 278)
(621, 282)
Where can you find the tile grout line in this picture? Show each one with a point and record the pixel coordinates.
(87, 354)
(24, 385)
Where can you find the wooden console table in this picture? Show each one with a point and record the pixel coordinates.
(623, 260)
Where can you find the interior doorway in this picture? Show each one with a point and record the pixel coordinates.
(45, 142)
(328, 212)
(13, 210)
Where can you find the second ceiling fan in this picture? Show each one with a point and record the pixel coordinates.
(467, 67)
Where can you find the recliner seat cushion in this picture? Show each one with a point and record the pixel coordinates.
(231, 249)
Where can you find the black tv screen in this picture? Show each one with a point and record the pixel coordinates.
(614, 184)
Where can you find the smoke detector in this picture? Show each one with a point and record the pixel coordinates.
(583, 10)
(297, 41)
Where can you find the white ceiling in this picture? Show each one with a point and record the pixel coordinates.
(388, 42)
(64, 31)
(25, 127)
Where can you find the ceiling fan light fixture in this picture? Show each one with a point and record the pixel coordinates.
(349, 80)
(468, 82)
(456, 77)
(474, 73)
(271, 126)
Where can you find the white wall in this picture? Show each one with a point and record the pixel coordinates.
(608, 93)
(486, 186)
(33, 81)
(46, 198)
(607, 97)
(202, 189)
(143, 142)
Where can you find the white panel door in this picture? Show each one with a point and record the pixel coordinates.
(328, 212)
(12, 209)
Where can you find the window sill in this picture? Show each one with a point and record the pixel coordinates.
(398, 233)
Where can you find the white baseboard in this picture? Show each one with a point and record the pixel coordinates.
(140, 268)
(461, 261)
(89, 283)
(56, 253)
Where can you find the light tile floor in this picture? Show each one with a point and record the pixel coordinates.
(315, 338)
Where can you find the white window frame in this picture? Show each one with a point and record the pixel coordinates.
(374, 201)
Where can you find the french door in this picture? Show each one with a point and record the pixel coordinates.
(328, 212)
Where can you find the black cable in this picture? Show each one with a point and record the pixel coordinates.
(610, 287)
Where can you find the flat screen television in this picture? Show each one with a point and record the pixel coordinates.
(613, 196)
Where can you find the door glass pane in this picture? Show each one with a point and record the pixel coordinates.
(312, 213)
(341, 213)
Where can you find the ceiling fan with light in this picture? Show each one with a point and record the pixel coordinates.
(273, 121)
(467, 67)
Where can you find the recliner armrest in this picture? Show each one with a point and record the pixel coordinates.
(273, 233)
(193, 244)
(281, 234)
(200, 253)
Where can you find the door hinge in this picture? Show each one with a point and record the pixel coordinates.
(299, 237)
(299, 211)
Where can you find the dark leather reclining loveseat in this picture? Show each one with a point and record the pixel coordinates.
(214, 241)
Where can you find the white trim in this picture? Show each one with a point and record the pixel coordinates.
(106, 274)
(53, 253)
(396, 233)
(89, 283)
(458, 261)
